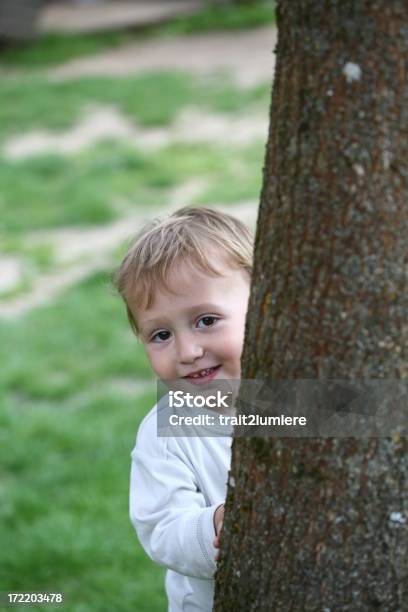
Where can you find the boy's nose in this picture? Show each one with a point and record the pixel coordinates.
(189, 349)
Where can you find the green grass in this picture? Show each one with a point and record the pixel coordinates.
(240, 180)
(66, 433)
(99, 183)
(54, 49)
(70, 346)
(28, 103)
(149, 100)
(51, 191)
(40, 256)
(64, 461)
(64, 520)
(51, 49)
(33, 259)
(232, 16)
(69, 406)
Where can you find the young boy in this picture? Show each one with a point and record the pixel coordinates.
(185, 282)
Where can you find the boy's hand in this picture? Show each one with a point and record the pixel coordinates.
(218, 521)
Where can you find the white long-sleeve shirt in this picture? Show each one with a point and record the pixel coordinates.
(176, 484)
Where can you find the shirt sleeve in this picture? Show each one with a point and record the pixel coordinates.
(169, 513)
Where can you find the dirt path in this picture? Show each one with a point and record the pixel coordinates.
(190, 126)
(80, 17)
(246, 56)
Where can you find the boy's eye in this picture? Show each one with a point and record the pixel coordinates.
(160, 336)
(206, 321)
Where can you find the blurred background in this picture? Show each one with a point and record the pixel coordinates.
(110, 113)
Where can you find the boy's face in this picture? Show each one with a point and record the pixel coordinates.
(198, 332)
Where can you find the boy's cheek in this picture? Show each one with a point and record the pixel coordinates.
(227, 344)
(154, 362)
(161, 364)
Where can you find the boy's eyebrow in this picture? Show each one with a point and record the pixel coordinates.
(158, 321)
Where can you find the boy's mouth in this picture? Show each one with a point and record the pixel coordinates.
(203, 375)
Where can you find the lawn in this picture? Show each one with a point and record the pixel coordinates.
(51, 191)
(150, 100)
(74, 382)
(73, 391)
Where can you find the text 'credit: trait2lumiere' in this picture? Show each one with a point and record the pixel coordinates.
(178, 399)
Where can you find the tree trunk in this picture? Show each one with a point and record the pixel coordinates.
(18, 19)
(322, 524)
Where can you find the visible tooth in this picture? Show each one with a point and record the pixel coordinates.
(202, 373)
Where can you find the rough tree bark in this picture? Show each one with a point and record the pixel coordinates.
(308, 523)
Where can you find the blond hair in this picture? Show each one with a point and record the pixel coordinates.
(195, 236)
